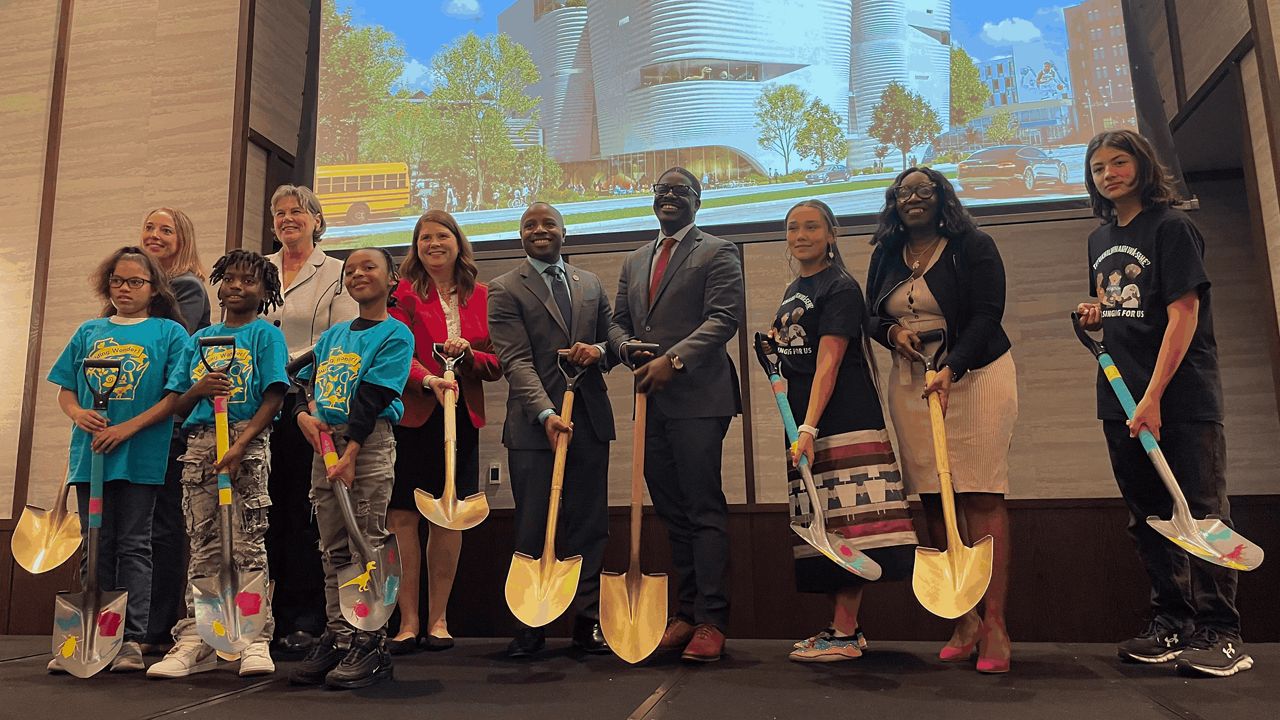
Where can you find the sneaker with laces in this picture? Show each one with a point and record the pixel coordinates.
(365, 663)
(827, 634)
(828, 649)
(1211, 653)
(129, 659)
(256, 660)
(188, 656)
(1159, 643)
(323, 656)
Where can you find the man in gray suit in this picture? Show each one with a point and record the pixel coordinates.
(540, 307)
(685, 292)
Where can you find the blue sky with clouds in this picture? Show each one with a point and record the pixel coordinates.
(984, 28)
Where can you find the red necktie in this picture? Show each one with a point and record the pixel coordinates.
(660, 267)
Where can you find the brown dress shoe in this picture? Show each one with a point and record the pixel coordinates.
(678, 633)
(706, 646)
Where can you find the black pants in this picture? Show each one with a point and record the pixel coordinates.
(584, 508)
(292, 538)
(168, 549)
(1186, 592)
(682, 470)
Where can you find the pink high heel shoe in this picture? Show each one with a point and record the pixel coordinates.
(990, 665)
(951, 653)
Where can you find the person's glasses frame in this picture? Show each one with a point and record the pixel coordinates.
(924, 191)
(134, 283)
(681, 190)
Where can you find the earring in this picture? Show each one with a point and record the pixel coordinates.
(831, 254)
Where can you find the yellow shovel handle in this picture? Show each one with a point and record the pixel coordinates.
(557, 479)
(941, 460)
(450, 441)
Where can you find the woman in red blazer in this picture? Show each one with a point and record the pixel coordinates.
(441, 302)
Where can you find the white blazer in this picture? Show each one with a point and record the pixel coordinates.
(314, 302)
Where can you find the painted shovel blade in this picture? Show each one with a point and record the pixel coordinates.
(1211, 540)
(839, 550)
(88, 631)
(231, 619)
(368, 592)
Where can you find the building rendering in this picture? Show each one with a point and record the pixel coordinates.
(1098, 55)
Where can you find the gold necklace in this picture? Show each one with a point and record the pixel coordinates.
(917, 257)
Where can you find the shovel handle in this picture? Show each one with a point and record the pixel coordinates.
(942, 460)
(557, 479)
(637, 476)
(450, 439)
(222, 436)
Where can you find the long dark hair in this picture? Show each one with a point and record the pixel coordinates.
(1155, 187)
(464, 269)
(830, 218)
(953, 220)
(163, 302)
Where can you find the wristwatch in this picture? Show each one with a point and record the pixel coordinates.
(676, 362)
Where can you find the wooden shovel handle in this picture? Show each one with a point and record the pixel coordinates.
(637, 478)
(450, 441)
(557, 479)
(943, 463)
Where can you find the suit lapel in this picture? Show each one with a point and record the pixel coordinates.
(577, 299)
(638, 290)
(678, 257)
(536, 285)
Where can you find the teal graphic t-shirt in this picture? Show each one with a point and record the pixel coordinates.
(345, 358)
(151, 352)
(260, 356)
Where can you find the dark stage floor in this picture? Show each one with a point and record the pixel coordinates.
(475, 680)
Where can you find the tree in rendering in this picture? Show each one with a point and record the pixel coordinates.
(822, 135)
(361, 64)
(780, 114)
(881, 151)
(903, 120)
(1003, 128)
(968, 93)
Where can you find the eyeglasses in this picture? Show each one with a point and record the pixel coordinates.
(134, 283)
(681, 190)
(924, 191)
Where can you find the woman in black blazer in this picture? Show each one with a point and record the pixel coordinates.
(932, 268)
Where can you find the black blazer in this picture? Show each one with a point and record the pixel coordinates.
(968, 282)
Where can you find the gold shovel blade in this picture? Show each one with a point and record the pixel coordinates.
(43, 540)
(461, 514)
(949, 583)
(230, 622)
(539, 592)
(88, 631)
(633, 625)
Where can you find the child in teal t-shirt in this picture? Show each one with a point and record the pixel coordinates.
(360, 368)
(139, 327)
(254, 384)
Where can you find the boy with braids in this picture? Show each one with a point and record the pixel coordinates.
(248, 285)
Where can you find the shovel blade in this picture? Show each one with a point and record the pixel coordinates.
(230, 619)
(949, 583)
(461, 514)
(1210, 540)
(633, 623)
(368, 592)
(539, 590)
(838, 550)
(44, 539)
(88, 630)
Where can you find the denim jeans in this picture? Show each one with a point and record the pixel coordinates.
(124, 547)
(1186, 592)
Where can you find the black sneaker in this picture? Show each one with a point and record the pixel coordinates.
(365, 663)
(1158, 644)
(323, 656)
(1211, 653)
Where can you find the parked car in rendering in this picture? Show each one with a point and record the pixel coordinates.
(1020, 167)
(827, 173)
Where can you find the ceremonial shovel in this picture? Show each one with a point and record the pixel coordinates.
(44, 539)
(448, 511)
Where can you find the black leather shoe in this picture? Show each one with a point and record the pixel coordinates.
(365, 663)
(323, 656)
(528, 642)
(295, 643)
(588, 638)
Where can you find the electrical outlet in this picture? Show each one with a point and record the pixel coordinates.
(495, 473)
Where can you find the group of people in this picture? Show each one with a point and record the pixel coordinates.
(378, 389)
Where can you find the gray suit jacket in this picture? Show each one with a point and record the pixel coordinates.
(527, 330)
(698, 308)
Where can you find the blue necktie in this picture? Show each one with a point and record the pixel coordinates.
(560, 292)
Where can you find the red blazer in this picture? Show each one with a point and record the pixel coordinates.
(425, 318)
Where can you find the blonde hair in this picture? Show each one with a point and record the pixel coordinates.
(187, 259)
(307, 200)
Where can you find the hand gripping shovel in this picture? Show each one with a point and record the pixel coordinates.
(1209, 539)
(948, 583)
(539, 590)
(633, 605)
(230, 607)
(833, 546)
(88, 626)
(448, 511)
(44, 539)
(367, 588)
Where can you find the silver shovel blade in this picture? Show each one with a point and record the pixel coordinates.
(367, 593)
(231, 619)
(1210, 540)
(88, 631)
(838, 550)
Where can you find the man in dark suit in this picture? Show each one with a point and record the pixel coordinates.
(540, 307)
(685, 292)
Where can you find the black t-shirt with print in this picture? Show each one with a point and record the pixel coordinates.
(827, 303)
(1135, 272)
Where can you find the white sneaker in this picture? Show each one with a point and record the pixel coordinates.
(129, 659)
(189, 655)
(256, 660)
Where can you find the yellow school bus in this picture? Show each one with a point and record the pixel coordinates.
(356, 192)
